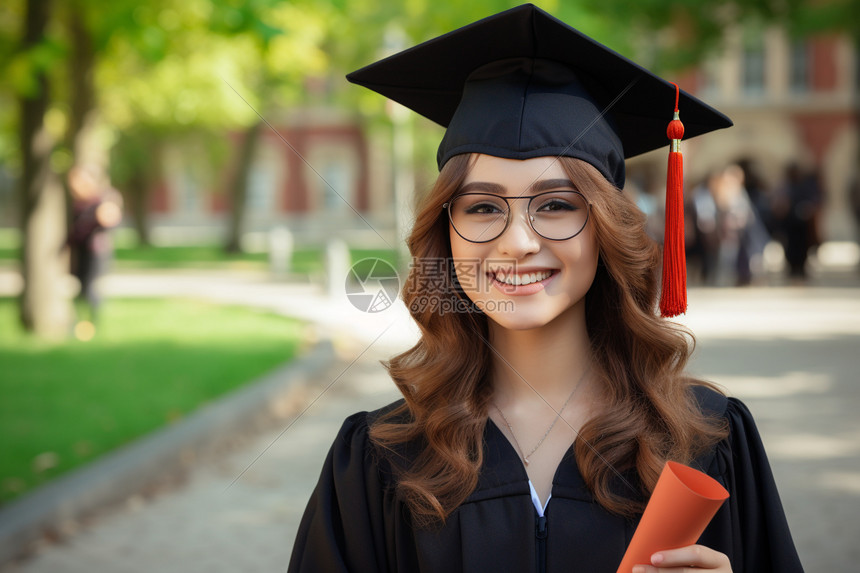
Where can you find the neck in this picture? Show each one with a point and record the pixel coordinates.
(542, 363)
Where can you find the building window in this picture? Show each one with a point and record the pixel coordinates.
(799, 68)
(753, 80)
(709, 80)
(337, 186)
(857, 68)
(261, 189)
(188, 190)
(333, 179)
(264, 180)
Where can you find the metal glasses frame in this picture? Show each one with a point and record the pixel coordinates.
(507, 200)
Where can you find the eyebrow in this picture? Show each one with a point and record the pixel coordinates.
(498, 189)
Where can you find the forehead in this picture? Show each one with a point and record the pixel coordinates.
(514, 175)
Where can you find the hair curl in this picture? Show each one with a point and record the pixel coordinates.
(648, 416)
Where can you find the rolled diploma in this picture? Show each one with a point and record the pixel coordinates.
(683, 503)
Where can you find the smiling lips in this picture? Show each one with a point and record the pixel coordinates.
(512, 279)
(520, 284)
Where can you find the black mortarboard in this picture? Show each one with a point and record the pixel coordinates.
(524, 84)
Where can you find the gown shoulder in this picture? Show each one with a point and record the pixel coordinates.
(751, 527)
(355, 521)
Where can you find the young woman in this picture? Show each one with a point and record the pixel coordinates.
(545, 394)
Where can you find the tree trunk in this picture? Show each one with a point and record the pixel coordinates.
(80, 75)
(239, 188)
(44, 307)
(135, 166)
(137, 190)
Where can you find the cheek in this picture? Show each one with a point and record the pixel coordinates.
(463, 250)
(583, 259)
(466, 262)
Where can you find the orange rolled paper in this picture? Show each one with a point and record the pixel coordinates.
(683, 503)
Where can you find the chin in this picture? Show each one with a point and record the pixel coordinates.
(516, 323)
(523, 319)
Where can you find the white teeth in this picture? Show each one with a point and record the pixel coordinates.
(524, 279)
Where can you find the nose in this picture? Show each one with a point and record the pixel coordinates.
(519, 239)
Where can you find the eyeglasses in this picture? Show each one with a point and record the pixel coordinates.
(482, 217)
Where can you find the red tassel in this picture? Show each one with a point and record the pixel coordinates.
(673, 299)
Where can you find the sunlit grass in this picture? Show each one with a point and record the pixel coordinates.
(304, 261)
(171, 257)
(151, 363)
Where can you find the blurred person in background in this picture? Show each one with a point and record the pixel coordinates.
(742, 235)
(797, 210)
(760, 194)
(702, 213)
(854, 200)
(96, 208)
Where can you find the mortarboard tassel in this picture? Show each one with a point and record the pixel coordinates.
(673, 299)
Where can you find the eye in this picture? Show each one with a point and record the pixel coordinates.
(557, 205)
(483, 208)
(479, 204)
(558, 202)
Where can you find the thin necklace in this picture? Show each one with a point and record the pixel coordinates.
(548, 430)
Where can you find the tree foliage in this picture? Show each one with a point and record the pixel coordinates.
(676, 34)
(161, 71)
(167, 65)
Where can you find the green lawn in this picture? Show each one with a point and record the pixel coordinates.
(150, 363)
(173, 257)
(305, 260)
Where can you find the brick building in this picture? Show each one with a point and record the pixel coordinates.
(790, 100)
(312, 177)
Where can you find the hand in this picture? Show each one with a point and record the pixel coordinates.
(108, 214)
(686, 559)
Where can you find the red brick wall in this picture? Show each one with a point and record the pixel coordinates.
(294, 197)
(818, 129)
(822, 64)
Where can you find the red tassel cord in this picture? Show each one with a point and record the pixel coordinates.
(673, 299)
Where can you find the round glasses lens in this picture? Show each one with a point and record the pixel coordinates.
(478, 217)
(558, 215)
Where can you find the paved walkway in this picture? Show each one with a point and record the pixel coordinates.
(792, 354)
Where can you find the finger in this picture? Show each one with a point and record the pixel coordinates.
(652, 569)
(691, 556)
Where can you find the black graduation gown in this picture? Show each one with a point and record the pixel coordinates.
(354, 521)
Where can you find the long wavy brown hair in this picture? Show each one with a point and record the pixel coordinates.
(648, 414)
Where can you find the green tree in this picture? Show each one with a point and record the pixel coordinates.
(676, 34)
(41, 198)
(88, 73)
(59, 46)
(119, 82)
(283, 51)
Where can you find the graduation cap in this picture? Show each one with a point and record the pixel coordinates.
(523, 84)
